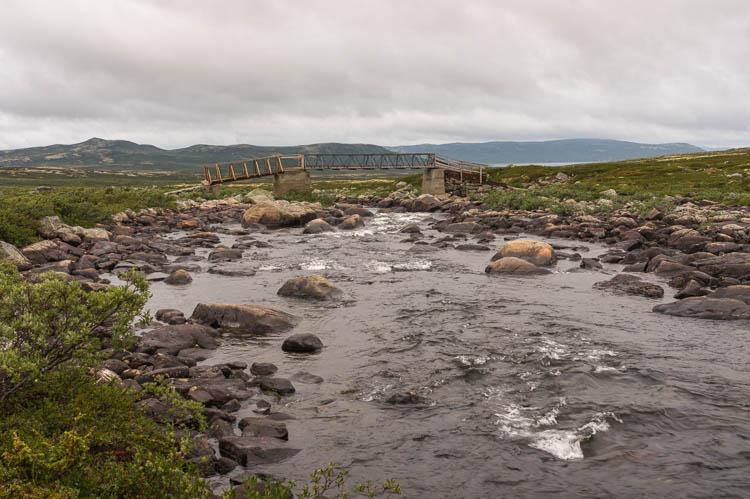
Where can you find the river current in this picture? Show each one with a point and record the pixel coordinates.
(534, 387)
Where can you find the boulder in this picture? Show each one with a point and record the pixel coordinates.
(630, 285)
(253, 319)
(263, 368)
(49, 226)
(687, 240)
(95, 234)
(738, 292)
(536, 252)
(404, 398)
(179, 277)
(303, 343)
(462, 228)
(314, 287)
(11, 254)
(411, 229)
(253, 451)
(171, 339)
(426, 202)
(358, 210)
(170, 316)
(514, 266)
(42, 252)
(262, 427)
(225, 254)
(704, 307)
(281, 386)
(351, 223)
(317, 226)
(735, 265)
(278, 214)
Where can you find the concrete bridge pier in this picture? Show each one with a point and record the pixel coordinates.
(291, 181)
(433, 181)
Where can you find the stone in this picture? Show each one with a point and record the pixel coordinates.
(514, 266)
(351, 223)
(590, 263)
(358, 210)
(426, 203)
(11, 254)
(404, 398)
(278, 214)
(170, 316)
(225, 254)
(704, 307)
(536, 252)
(317, 226)
(410, 229)
(302, 343)
(49, 226)
(263, 368)
(95, 235)
(314, 287)
(262, 427)
(692, 288)
(252, 451)
(41, 252)
(254, 319)
(630, 285)
(282, 386)
(308, 378)
(738, 292)
(462, 228)
(172, 339)
(179, 277)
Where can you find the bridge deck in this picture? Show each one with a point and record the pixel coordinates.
(276, 164)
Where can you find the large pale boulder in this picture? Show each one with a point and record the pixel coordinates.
(514, 266)
(536, 252)
(10, 253)
(95, 234)
(41, 252)
(317, 226)
(630, 285)
(315, 287)
(278, 214)
(243, 318)
(49, 226)
(351, 222)
(171, 339)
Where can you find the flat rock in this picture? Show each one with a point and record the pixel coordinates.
(174, 338)
(315, 287)
(630, 285)
(537, 252)
(10, 253)
(514, 266)
(250, 451)
(254, 319)
(262, 427)
(707, 308)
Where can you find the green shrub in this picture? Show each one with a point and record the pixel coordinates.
(48, 323)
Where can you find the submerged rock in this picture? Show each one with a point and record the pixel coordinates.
(314, 287)
(704, 307)
(254, 319)
(536, 252)
(303, 343)
(514, 266)
(351, 222)
(317, 226)
(179, 277)
(630, 285)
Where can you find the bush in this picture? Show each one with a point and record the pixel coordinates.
(48, 323)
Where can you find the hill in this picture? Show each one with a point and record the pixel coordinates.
(124, 155)
(551, 151)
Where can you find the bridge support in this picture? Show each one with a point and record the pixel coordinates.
(433, 181)
(291, 181)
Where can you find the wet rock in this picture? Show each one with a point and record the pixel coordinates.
(514, 266)
(317, 226)
(738, 292)
(590, 264)
(707, 308)
(11, 254)
(472, 247)
(303, 343)
(222, 389)
(722, 247)
(535, 252)
(687, 240)
(282, 386)
(224, 465)
(250, 451)
(314, 287)
(233, 405)
(692, 288)
(225, 254)
(278, 214)
(263, 368)
(179, 277)
(410, 229)
(174, 338)
(170, 316)
(262, 427)
(462, 228)
(630, 285)
(404, 398)
(196, 354)
(167, 372)
(220, 428)
(736, 265)
(253, 319)
(358, 210)
(307, 378)
(351, 223)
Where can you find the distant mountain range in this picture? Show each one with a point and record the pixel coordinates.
(124, 155)
(551, 151)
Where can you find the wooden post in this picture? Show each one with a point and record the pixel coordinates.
(268, 165)
(218, 173)
(462, 172)
(231, 170)
(247, 174)
(257, 167)
(207, 173)
(281, 167)
(302, 161)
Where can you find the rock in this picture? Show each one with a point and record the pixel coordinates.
(254, 319)
(308, 378)
(609, 192)
(303, 343)
(225, 254)
(172, 339)
(11, 254)
(278, 214)
(115, 365)
(315, 287)
(281, 386)
(472, 247)
(222, 390)
(630, 285)
(317, 226)
(536, 252)
(219, 428)
(738, 292)
(692, 288)
(167, 372)
(252, 451)
(95, 235)
(224, 465)
(462, 228)
(590, 263)
(426, 202)
(735, 265)
(687, 240)
(196, 354)
(704, 307)
(514, 266)
(170, 316)
(410, 229)
(41, 252)
(179, 277)
(403, 398)
(262, 427)
(188, 224)
(263, 368)
(351, 223)
(358, 210)
(49, 226)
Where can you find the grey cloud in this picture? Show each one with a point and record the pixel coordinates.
(173, 73)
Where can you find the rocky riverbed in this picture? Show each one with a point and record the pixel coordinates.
(463, 351)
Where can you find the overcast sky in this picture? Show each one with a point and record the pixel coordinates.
(174, 72)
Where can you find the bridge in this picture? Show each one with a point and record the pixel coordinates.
(290, 172)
